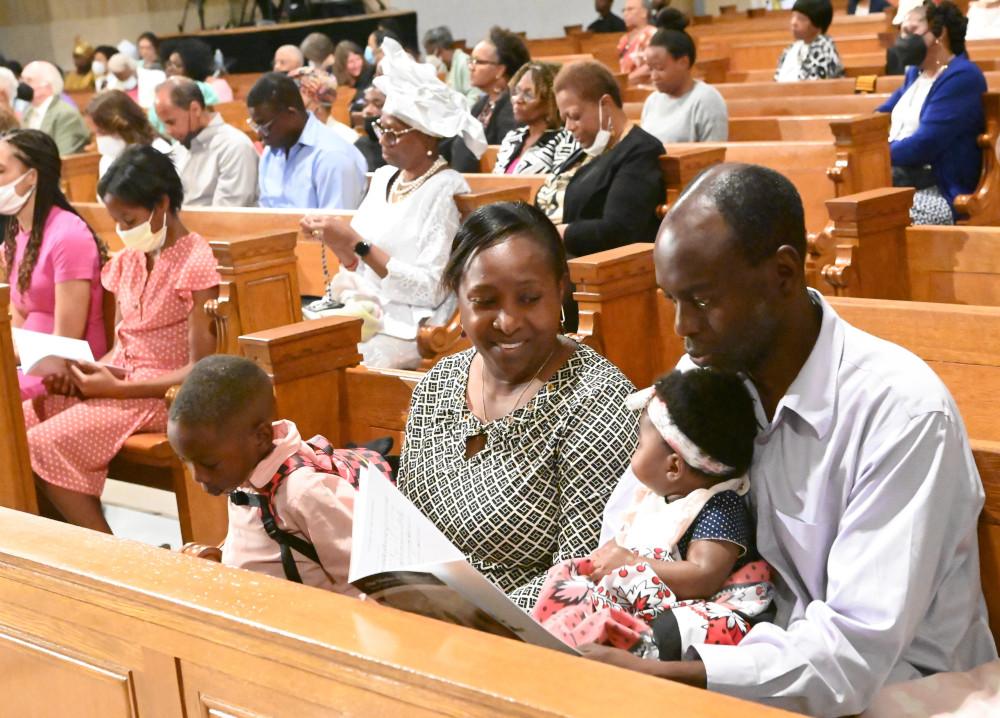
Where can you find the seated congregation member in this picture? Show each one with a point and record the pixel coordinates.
(305, 164)
(352, 69)
(685, 556)
(148, 47)
(439, 43)
(937, 117)
(682, 109)
(49, 112)
(605, 194)
(910, 48)
(608, 21)
(867, 7)
(319, 92)
(395, 248)
(117, 122)
(317, 49)
(102, 53)
(368, 144)
(632, 46)
(494, 61)
(813, 55)
(193, 58)
(512, 447)
(139, 83)
(866, 490)
(287, 58)
(541, 142)
(219, 165)
(220, 425)
(161, 281)
(51, 258)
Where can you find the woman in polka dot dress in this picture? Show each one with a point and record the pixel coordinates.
(683, 569)
(161, 281)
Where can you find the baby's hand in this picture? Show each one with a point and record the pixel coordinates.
(609, 557)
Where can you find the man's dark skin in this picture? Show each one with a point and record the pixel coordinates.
(278, 127)
(733, 316)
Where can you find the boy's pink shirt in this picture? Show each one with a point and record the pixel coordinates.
(315, 505)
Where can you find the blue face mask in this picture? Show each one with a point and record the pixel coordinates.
(370, 55)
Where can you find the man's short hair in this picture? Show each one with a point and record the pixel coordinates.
(439, 37)
(316, 47)
(762, 208)
(276, 89)
(182, 92)
(51, 75)
(218, 388)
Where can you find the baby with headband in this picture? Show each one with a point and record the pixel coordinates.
(683, 568)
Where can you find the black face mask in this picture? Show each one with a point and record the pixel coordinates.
(911, 50)
(24, 92)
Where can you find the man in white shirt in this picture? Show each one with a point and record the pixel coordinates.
(49, 113)
(219, 167)
(865, 489)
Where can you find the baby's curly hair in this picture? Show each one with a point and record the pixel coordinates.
(715, 411)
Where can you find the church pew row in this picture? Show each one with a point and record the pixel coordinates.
(122, 629)
(880, 256)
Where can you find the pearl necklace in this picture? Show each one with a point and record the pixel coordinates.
(401, 189)
(519, 396)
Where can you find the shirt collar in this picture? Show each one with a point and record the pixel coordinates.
(812, 394)
(44, 107)
(309, 132)
(286, 443)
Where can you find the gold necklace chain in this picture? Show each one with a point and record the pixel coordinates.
(520, 396)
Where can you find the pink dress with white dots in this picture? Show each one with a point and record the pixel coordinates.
(71, 441)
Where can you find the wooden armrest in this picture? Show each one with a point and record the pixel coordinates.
(200, 550)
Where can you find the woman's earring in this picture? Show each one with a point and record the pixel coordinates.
(562, 320)
(430, 153)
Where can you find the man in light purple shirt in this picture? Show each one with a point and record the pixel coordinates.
(865, 489)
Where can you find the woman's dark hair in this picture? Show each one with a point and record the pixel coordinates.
(107, 50)
(543, 75)
(947, 15)
(115, 113)
(196, 56)
(670, 18)
(590, 80)
(37, 151)
(152, 39)
(715, 411)
(511, 50)
(494, 224)
(140, 176)
(677, 42)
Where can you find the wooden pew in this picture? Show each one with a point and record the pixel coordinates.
(78, 179)
(235, 113)
(95, 626)
(879, 255)
(17, 490)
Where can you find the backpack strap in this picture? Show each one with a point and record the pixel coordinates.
(347, 463)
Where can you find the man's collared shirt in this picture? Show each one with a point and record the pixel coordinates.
(320, 171)
(220, 168)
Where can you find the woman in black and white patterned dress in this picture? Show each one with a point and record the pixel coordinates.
(541, 142)
(512, 448)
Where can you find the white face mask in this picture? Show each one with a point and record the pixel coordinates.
(98, 68)
(10, 201)
(602, 138)
(142, 237)
(110, 146)
(130, 83)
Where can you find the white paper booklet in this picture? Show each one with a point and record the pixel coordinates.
(44, 354)
(400, 559)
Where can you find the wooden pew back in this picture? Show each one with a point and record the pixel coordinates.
(99, 627)
(78, 179)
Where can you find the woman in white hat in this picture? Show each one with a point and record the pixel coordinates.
(393, 253)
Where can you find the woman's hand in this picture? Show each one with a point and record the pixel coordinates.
(61, 383)
(609, 557)
(93, 380)
(612, 656)
(335, 233)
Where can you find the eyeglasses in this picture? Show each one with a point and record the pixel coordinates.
(391, 136)
(262, 130)
(474, 61)
(525, 96)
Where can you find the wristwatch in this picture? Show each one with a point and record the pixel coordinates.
(362, 249)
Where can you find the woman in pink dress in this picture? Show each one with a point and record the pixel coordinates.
(51, 258)
(161, 280)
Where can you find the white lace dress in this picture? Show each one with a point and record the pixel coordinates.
(417, 233)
